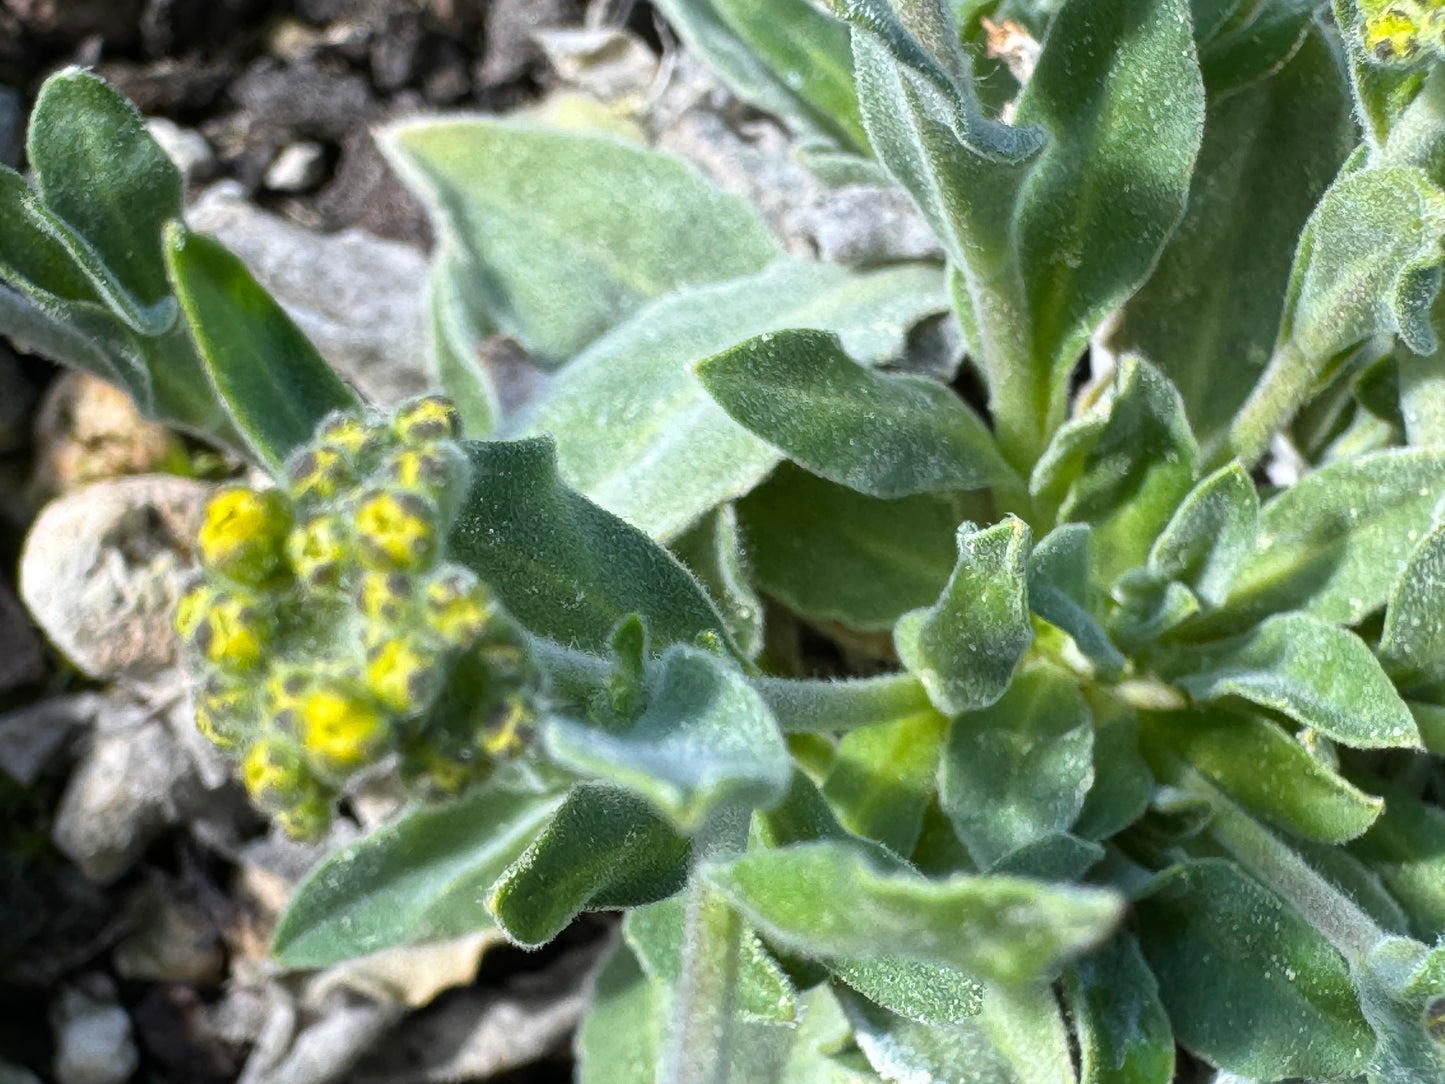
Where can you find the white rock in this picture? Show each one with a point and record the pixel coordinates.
(31, 735)
(103, 566)
(93, 1041)
(134, 782)
(186, 147)
(357, 297)
(299, 167)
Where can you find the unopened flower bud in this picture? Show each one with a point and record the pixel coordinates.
(276, 775)
(222, 711)
(432, 417)
(457, 607)
(400, 676)
(395, 530)
(340, 732)
(243, 534)
(385, 597)
(319, 474)
(229, 630)
(318, 552)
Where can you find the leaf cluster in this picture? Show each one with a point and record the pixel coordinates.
(920, 736)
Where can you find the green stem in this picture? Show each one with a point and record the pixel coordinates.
(1270, 407)
(702, 1031)
(1352, 932)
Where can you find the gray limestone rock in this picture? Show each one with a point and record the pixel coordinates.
(102, 569)
(93, 1043)
(357, 297)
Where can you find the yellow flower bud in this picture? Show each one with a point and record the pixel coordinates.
(347, 433)
(192, 608)
(385, 597)
(321, 473)
(428, 468)
(276, 775)
(341, 732)
(457, 607)
(400, 676)
(1392, 36)
(223, 712)
(229, 631)
(308, 819)
(282, 692)
(433, 417)
(243, 534)
(318, 552)
(395, 530)
(507, 736)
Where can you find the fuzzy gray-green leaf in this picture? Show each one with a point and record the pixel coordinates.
(1017, 1038)
(621, 1036)
(829, 553)
(1209, 314)
(420, 878)
(1412, 644)
(563, 567)
(964, 648)
(1317, 673)
(706, 739)
(1336, 542)
(785, 56)
(603, 848)
(1059, 593)
(1122, 1030)
(831, 899)
(635, 430)
(1247, 982)
(271, 380)
(573, 232)
(1266, 771)
(1210, 536)
(1019, 770)
(884, 777)
(883, 435)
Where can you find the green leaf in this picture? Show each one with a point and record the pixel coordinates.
(1211, 535)
(420, 878)
(1249, 985)
(1254, 41)
(1412, 644)
(964, 648)
(620, 1040)
(830, 554)
(713, 552)
(883, 435)
(1118, 88)
(1132, 471)
(455, 338)
(1123, 783)
(1017, 1038)
(884, 777)
(572, 232)
(1406, 848)
(656, 933)
(1209, 314)
(706, 740)
(1335, 543)
(1059, 593)
(1372, 232)
(635, 429)
(805, 706)
(1122, 1030)
(1056, 857)
(1265, 770)
(563, 567)
(923, 992)
(97, 168)
(830, 899)
(604, 848)
(1018, 771)
(271, 380)
(1318, 674)
(783, 56)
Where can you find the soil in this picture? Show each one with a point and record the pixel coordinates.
(254, 77)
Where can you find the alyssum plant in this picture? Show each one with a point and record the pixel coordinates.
(1126, 753)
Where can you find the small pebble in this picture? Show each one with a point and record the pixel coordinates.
(185, 147)
(298, 168)
(93, 1043)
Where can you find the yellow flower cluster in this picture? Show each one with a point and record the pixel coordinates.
(1403, 32)
(331, 633)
